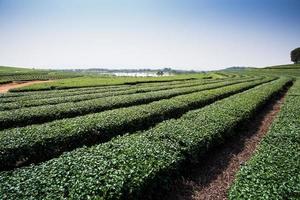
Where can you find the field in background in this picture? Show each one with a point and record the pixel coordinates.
(102, 137)
(279, 70)
(15, 74)
(65, 80)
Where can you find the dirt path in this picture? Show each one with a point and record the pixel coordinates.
(5, 87)
(211, 180)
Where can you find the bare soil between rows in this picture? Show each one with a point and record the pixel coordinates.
(6, 87)
(212, 176)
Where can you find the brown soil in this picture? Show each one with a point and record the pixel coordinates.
(211, 179)
(5, 87)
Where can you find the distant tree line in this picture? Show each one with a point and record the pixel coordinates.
(159, 72)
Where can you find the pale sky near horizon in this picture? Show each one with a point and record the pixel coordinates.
(181, 34)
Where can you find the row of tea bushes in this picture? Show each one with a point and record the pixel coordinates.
(36, 100)
(25, 96)
(46, 113)
(126, 166)
(95, 81)
(274, 171)
(40, 142)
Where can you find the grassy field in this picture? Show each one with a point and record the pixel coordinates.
(279, 70)
(95, 137)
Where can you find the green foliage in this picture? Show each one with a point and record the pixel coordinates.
(92, 93)
(284, 67)
(125, 166)
(273, 173)
(292, 70)
(295, 55)
(16, 96)
(10, 74)
(98, 80)
(45, 113)
(38, 142)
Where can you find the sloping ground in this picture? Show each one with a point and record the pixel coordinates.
(6, 87)
(291, 66)
(210, 180)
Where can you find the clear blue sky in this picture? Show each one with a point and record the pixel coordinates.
(182, 34)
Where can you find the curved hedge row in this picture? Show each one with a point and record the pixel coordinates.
(94, 81)
(273, 172)
(39, 114)
(23, 96)
(36, 100)
(40, 142)
(126, 166)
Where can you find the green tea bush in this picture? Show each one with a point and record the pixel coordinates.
(126, 166)
(38, 142)
(36, 100)
(273, 172)
(40, 114)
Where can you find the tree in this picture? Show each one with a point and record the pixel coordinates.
(295, 55)
(160, 73)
